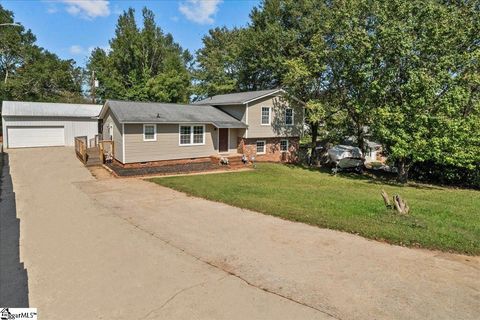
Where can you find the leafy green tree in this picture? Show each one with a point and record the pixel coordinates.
(15, 43)
(142, 64)
(408, 70)
(296, 52)
(45, 77)
(29, 72)
(218, 63)
(427, 93)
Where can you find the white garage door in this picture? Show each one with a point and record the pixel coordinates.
(22, 137)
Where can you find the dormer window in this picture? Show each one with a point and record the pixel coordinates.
(266, 116)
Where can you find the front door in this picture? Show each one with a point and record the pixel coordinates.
(222, 140)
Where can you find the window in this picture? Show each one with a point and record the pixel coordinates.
(192, 135)
(149, 132)
(265, 116)
(185, 135)
(197, 134)
(289, 117)
(284, 145)
(260, 147)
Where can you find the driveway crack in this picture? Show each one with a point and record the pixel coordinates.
(153, 234)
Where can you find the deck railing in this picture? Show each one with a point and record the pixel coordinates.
(93, 142)
(81, 148)
(107, 150)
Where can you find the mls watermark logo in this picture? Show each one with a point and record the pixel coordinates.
(18, 313)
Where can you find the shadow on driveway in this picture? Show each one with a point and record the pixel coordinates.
(13, 275)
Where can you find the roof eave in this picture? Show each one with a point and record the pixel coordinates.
(104, 110)
(263, 96)
(241, 125)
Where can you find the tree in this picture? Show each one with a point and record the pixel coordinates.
(142, 64)
(218, 64)
(15, 42)
(29, 72)
(406, 71)
(427, 92)
(295, 40)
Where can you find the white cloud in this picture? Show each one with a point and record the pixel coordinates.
(200, 11)
(52, 9)
(88, 8)
(78, 50)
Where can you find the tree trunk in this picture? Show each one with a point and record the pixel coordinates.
(314, 131)
(402, 176)
(361, 139)
(6, 75)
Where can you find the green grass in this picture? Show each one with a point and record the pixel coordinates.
(440, 218)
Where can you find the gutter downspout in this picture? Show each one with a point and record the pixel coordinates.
(123, 143)
(246, 120)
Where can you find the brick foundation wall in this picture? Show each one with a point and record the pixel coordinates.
(272, 149)
(161, 162)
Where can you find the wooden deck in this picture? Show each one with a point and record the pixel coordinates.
(93, 157)
(91, 154)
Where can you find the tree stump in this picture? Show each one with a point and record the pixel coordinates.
(386, 200)
(399, 204)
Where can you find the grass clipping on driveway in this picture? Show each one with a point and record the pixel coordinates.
(440, 218)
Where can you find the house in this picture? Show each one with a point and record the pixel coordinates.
(146, 133)
(44, 124)
(274, 126)
(261, 125)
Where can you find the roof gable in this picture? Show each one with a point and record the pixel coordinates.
(239, 97)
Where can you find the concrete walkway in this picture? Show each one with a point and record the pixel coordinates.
(127, 248)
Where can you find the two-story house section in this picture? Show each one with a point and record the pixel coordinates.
(274, 125)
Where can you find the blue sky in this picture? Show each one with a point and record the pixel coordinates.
(71, 28)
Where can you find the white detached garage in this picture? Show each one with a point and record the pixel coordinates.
(44, 124)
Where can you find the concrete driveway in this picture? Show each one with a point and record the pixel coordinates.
(127, 248)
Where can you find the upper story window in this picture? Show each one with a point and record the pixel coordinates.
(149, 132)
(192, 135)
(289, 117)
(266, 116)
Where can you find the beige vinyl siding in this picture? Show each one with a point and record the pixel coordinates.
(277, 127)
(117, 134)
(166, 146)
(236, 111)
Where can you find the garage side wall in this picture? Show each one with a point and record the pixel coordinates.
(73, 126)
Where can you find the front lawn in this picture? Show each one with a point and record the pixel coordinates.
(440, 218)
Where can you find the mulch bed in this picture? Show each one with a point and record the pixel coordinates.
(166, 169)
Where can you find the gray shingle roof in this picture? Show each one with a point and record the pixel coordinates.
(236, 98)
(153, 112)
(50, 109)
